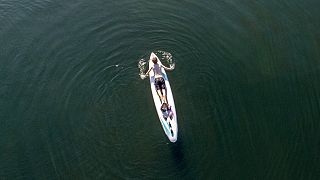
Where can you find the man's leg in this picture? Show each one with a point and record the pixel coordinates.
(164, 95)
(160, 94)
(158, 89)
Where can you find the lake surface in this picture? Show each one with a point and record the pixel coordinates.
(246, 86)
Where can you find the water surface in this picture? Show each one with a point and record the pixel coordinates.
(246, 88)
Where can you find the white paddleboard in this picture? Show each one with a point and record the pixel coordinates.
(169, 125)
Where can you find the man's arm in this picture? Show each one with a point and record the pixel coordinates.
(166, 68)
(147, 73)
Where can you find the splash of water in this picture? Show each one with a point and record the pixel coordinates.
(142, 65)
(167, 57)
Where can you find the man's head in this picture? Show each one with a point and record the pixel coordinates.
(154, 60)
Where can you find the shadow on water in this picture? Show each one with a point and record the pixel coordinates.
(177, 150)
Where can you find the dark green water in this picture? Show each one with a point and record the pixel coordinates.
(246, 88)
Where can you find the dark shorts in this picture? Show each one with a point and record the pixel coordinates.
(159, 83)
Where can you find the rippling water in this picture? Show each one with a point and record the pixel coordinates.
(246, 88)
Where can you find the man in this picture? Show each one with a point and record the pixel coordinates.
(159, 80)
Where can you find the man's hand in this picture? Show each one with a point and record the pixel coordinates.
(172, 66)
(143, 76)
